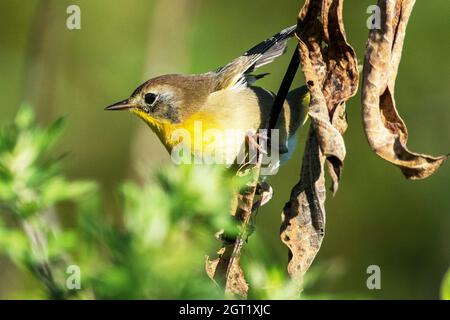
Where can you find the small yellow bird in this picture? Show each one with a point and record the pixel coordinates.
(223, 101)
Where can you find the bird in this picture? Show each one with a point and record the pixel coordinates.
(222, 102)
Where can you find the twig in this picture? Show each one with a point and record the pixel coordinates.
(226, 269)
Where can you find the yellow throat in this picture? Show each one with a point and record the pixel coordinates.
(199, 131)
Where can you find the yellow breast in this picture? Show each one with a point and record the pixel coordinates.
(201, 135)
(217, 130)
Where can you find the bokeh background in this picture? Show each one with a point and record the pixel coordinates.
(377, 216)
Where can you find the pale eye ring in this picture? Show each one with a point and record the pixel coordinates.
(150, 98)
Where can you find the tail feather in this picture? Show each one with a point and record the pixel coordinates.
(236, 72)
(266, 51)
(274, 52)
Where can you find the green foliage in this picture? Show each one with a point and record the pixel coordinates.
(30, 187)
(29, 181)
(159, 249)
(156, 247)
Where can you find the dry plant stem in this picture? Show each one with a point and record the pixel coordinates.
(236, 283)
(332, 78)
(245, 205)
(385, 130)
(226, 269)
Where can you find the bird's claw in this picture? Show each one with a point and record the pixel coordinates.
(257, 141)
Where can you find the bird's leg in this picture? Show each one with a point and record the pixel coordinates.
(257, 142)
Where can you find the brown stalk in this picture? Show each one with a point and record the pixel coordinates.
(225, 270)
(330, 67)
(332, 78)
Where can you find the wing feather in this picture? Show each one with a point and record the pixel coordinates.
(237, 72)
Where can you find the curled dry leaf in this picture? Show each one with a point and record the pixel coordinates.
(330, 68)
(385, 130)
(339, 121)
(303, 216)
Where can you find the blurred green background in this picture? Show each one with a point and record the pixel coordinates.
(377, 216)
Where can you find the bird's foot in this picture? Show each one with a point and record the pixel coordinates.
(257, 141)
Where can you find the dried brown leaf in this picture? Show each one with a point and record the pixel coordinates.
(342, 77)
(339, 121)
(330, 68)
(303, 216)
(385, 129)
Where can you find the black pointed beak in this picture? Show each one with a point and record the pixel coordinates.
(121, 105)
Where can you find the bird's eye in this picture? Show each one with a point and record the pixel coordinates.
(150, 98)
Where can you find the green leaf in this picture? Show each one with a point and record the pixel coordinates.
(51, 135)
(14, 244)
(8, 139)
(29, 208)
(58, 189)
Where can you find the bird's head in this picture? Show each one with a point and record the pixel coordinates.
(156, 101)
